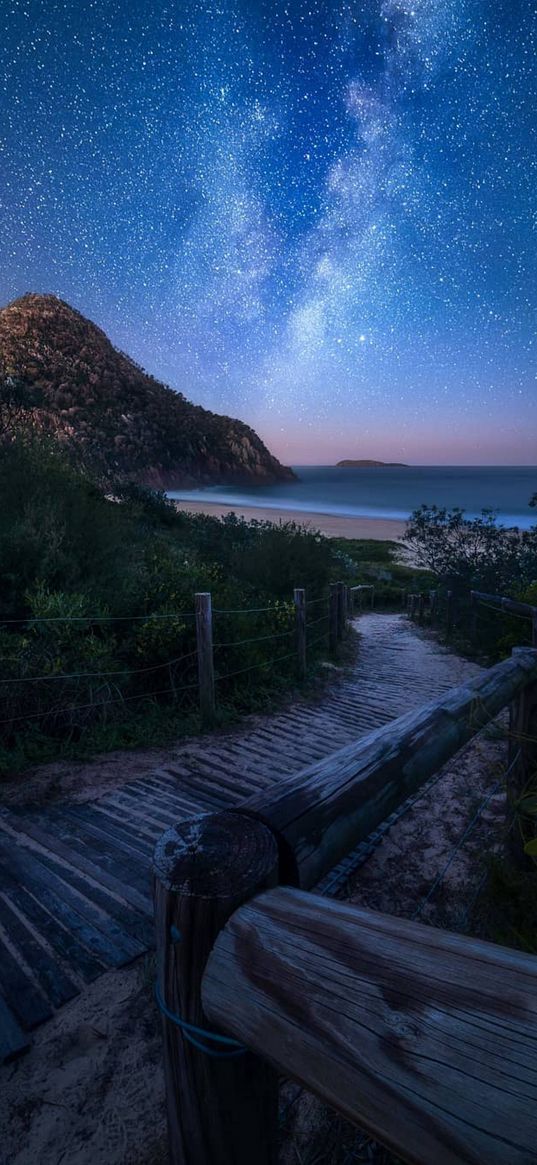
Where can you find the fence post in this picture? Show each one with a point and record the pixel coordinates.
(534, 628)
(432, 605)
(473, 615)
(300, 624)
(341, 610)
(449, 613)
(204, 638)
(522, 756)
(350, 602)
(420, 607)
(333, 604)
(372, 597)
(222, 1103)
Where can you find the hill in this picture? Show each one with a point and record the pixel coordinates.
(371, 465)
(96, 400)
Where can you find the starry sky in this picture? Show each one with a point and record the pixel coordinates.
(316, 216)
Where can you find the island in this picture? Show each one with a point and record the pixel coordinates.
(371, 465)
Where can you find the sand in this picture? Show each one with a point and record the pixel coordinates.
(91, 1090)
(333, 525)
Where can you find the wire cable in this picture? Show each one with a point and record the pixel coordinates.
(129, 671)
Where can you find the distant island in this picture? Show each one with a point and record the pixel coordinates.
(371, 464)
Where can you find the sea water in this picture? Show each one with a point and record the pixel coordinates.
(389, 492)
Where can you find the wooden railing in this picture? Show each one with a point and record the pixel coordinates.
(422, 1038)
(509, 607)
(466, 610)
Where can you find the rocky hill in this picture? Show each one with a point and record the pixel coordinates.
(94, 398)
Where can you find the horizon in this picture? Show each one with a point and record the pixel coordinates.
(326, 234)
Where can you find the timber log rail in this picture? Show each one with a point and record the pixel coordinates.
(422, 1038)
(431, 603)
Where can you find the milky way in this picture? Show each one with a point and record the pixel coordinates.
(316, 216)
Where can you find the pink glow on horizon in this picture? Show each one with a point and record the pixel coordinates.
(477, 445)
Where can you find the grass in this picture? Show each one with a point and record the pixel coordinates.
(506, 911)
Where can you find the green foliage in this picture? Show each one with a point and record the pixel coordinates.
(378, 563)
(506, 912)
(97, 634)
(472, 553)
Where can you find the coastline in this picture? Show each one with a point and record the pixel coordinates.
(333, 525)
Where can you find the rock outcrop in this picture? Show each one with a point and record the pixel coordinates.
(120, 419)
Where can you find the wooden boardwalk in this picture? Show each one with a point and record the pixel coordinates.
(75, 891)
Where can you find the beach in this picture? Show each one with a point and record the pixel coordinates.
(333, 525)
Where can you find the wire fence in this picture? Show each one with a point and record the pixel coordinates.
(42, 666)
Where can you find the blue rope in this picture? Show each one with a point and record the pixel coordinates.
(190, 1031)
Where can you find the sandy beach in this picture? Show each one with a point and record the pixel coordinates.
(333, 525)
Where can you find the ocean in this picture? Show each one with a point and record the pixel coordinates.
(389, 492)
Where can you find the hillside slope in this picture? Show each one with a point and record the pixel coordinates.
(118, 417)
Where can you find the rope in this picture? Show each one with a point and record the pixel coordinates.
(135, 671)
(502, 611)
(243, 610)
(315, 622)
(190, 1032)
(98, 618)
(256, 639)
(267, 663)
(471, 825)
(99, 704)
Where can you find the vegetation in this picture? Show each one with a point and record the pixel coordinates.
(462, 554)
(97, 634)
(380, 563)
(60, 374)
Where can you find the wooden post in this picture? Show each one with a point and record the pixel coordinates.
(432, 605)
(372, 597)
(420, 607)
(350, 602)
(473, 615)
(221, 1111)
(522, 763)
(204, 637)
(341, 610)
(333, 619)
(300, 623)
(425, 1040)
(449, 613)
(534, 628)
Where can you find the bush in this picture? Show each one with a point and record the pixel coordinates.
(97, 632)
(472, 553)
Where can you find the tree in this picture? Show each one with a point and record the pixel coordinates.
(465, 553)
(17, 400)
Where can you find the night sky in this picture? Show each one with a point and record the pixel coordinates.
(318, 217)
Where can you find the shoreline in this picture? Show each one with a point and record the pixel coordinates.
(332, 525)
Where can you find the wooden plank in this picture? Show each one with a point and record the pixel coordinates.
(22, 996)
(98, 933)
(76, 957)
(55, 843)
(426, 1040)
(74, 892)
(323, 812)
(52, 979)
(87, 841)
(131, 920)
(120, 837)
(13, 1041)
